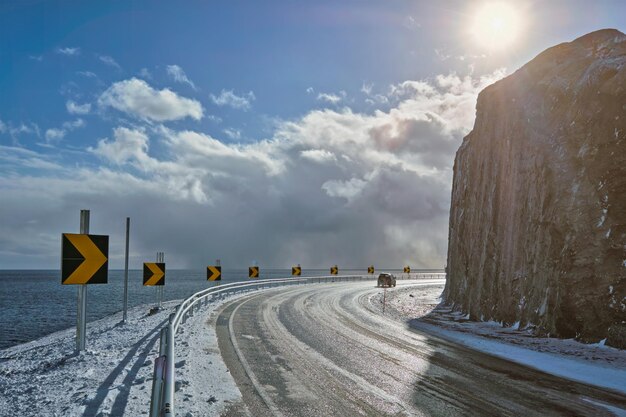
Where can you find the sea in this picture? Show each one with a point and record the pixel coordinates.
(34, 303)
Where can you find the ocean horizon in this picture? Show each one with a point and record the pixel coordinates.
(34, 303)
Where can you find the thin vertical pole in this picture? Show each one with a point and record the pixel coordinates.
(160, 257)
(81, 316)
(384, 299)
(125, 319)
(163, 286)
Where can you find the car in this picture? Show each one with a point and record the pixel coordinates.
(386, 280)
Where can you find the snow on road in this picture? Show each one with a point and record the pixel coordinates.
(113, 377)
(595, 364)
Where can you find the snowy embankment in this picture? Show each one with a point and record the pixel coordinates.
(113, 376)
(596, 364)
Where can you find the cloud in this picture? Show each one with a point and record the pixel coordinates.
(345, 189)
(310, 90)
(68, 51)
(87, 74)
(233, 134)
(318, 155)
(74, 124)
(373, 98)
(56, 134)
(333, 186)
(230, 99)
(15, 131)
(135, 97)
(128, 145)
(145, 73)
(410, 23)
(13, 156)
(178, 75)
(109, 61)
(332, 98)
(74, 108)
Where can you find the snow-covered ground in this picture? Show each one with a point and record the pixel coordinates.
(113, 376)
(595, 364)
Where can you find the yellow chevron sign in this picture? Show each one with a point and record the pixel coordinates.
(296, 271)
(84, 259)
(370, 269)
(407, 269)
(253, 272)
(153, 273)
(213, 273)
(334, 270)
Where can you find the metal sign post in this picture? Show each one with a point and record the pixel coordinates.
(160, 258)
(125, 319)
(384, 299)
(81, 315)
(218, 264)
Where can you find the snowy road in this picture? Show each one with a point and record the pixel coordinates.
(327, 350)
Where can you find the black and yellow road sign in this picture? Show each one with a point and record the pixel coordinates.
(213, 273)
(296, 271)
(334, 270)
(153, 273)
(407, 269)
(84, 259)
(253, 272)
(370, 269)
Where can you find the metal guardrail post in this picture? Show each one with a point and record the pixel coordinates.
(163, 342)
(157, 386)
(168, 388)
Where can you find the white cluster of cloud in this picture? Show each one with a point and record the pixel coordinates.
(230, 99)
(16, 131)
(54, 134)
(234, 134)
(137, 98)
(75, 108)
(108, 60)
(331, 97)
(69, 51)
(334, 186)
(179, 75)
(87, 74)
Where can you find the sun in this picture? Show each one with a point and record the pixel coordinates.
(496, 25)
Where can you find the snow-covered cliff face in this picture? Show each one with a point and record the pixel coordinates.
(538, 215)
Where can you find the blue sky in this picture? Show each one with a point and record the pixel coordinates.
(276, 131)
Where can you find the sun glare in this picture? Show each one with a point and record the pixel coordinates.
(496, 25)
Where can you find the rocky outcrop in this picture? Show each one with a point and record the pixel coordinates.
(538, 215)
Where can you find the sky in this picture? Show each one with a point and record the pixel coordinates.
(275, 132)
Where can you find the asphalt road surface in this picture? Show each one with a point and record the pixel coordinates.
(323, 350)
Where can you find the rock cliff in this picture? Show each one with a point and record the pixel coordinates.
(538, 216)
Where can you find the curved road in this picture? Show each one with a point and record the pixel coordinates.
(323, 350)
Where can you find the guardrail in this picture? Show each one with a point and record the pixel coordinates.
(163, 384)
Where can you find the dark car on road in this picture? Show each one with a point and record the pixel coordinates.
(386, 280)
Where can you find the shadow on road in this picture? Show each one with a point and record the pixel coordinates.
(462, 381)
